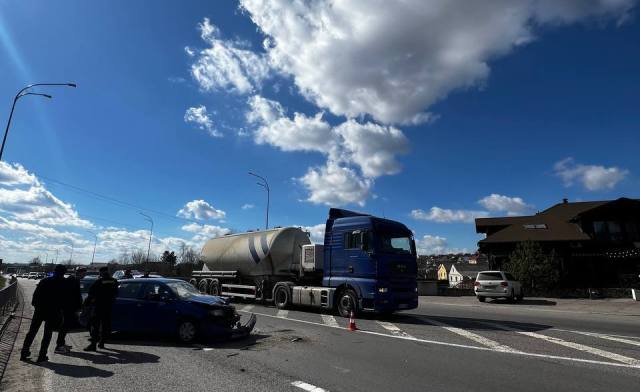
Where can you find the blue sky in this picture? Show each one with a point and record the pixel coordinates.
(457, 112)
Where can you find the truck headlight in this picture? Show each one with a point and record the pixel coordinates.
(382, 289)
(217, 313)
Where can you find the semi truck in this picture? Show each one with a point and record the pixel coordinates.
(366, 264)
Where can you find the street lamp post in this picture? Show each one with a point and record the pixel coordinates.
(20, 94)
(148, 218)
(57, 250)
(94, 245)
(265, 185)
(71, 256)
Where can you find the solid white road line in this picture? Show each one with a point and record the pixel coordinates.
(466, 346)
(282, 313)
(393, 329)
(575, 346)
(247, 308)
(470, 335)
(329, 320)
(614, 338)
(307, 387)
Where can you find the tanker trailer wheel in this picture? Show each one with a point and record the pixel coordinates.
(193, 282)
(214, 287)
(203, 286)
(282, 297)
(347, 303)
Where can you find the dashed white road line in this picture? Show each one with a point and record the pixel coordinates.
(466, 346)
(282, 313)
(329, 320)
(393, 329)
(247, 308)
(470, 335)
(307, 387)
(603, 336)
(575, 346)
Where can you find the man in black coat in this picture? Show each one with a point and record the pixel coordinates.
(48, 303)
(71, 304)
(102, 294)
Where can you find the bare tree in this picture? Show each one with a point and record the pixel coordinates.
(138, 257)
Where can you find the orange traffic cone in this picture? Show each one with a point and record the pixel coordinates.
(352, 322)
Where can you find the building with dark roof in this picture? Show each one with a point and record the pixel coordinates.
(598, 242)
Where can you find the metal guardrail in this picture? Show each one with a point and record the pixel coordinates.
(8, 299)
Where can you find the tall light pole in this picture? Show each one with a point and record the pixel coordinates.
(20, 94)
(148, 218)
(265, 185)
(71, 256)
(57, 250)
(94, 245)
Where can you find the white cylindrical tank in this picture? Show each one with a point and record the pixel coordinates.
(274, 252)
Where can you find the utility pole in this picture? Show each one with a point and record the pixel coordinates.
(265, 185)
(148, 218)
(94, 245)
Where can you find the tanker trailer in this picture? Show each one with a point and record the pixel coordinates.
(365, 264)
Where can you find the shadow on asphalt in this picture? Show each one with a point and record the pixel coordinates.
(111, 356)
(75, 371)
(535, 302)
(136, 340)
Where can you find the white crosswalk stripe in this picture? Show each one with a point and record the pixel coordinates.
(473, 336)
(329, 320)
(603, 336)
(575, 346)
(247, 308)
(282, 313)
(393, 329)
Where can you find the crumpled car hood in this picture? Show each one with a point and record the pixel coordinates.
(208, 300)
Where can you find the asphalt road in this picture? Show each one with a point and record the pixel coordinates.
(435, 347)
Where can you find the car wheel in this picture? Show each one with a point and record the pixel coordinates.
(347, 303)
(214, 287)
(481, 298)
(282, 297)
(187, 331)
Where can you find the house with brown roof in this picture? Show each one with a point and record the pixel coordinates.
(598, 242)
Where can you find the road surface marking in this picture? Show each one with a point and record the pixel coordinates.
(329, 320)
(575, 346)
(614, 338)
(247, 308)
(465, 346)
(307, 387)
(470, 335)
(282, 313)
(393, 329)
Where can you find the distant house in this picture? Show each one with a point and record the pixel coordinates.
(443, 270)
(464, 273)
(597, 242)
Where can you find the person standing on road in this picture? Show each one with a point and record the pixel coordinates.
(128, 274)
(102, 294)
(48, 303)
(72, 301)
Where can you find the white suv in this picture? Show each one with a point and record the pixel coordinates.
(497, 284)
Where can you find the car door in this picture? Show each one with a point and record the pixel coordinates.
(157, 308)
(125, 316)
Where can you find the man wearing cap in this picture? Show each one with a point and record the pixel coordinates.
(48, 303)
(72, 302)
(102, 294)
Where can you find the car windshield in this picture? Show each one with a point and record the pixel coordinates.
(394, 243)
(183, 289)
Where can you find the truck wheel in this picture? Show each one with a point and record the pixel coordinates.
(347, 303)
(214, 287)
(282, 297)
(193, 282)
(187, 331)
(202, 286)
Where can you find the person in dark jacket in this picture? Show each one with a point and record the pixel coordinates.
(71, 304)
(48, 303)
(128, 274)
(102, 294)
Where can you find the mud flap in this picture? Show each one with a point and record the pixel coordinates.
(244, 330)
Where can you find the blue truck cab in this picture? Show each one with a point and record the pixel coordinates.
(371, 262)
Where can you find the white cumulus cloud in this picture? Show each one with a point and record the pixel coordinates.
(443, 215)
(500, 203)
(199, 116)
(247, 206)
(333, 185)
(592, 177)
(393, 59)
(316, 233)
(200, 209)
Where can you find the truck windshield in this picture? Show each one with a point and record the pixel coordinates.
(395, 244)
(183, 289)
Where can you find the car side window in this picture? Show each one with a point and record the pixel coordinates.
(128, 290)
(155, 289)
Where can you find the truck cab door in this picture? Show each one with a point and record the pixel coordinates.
(357, 254)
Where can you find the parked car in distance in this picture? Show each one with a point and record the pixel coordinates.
(497, 284)
(32, 275)
(151, 275)
(119, 274)
(172, 307)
